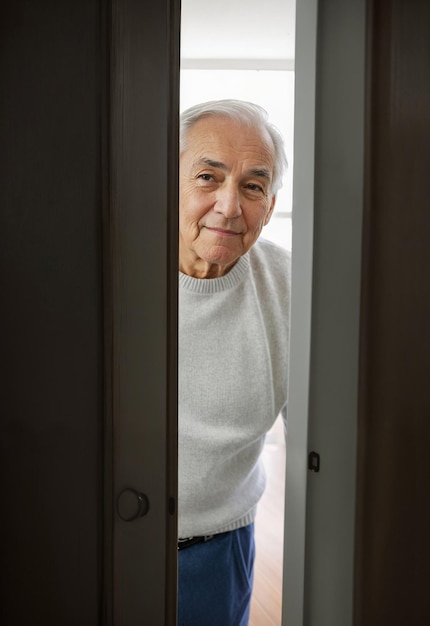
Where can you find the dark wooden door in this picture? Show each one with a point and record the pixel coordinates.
(88, 137)
(393, 511)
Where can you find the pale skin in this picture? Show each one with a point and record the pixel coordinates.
(225, 197)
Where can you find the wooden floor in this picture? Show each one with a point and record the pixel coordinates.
(266, 607)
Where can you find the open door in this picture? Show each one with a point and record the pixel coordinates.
(88, 274)
(144, 238)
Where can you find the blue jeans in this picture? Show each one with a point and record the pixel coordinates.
(215, 580)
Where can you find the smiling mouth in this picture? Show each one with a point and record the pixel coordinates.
(223, 232)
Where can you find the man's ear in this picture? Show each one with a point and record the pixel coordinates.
(270, 211)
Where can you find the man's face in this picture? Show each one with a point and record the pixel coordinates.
(225, 197)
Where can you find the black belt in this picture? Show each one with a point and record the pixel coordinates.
(190, 541)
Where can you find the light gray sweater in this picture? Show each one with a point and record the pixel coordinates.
(233, 359)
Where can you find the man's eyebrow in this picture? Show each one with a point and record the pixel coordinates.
(212, 163)
(260, 172)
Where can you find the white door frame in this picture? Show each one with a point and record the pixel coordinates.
(326, 274)
(301, 306)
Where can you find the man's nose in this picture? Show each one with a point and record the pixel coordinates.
(228, 202)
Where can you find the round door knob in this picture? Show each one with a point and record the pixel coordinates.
(131, 504)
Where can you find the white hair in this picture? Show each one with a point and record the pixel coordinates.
(243, 112)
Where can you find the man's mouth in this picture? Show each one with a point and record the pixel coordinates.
(223, 232)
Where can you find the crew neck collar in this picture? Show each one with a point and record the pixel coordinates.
(216, 285)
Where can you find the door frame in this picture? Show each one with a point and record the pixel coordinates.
(325, 317)
(300, 315)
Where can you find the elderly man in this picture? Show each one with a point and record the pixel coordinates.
(233, 350)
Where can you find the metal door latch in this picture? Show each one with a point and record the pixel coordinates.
(314, 462)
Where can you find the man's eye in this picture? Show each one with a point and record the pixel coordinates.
(254, 187)
(207, 177)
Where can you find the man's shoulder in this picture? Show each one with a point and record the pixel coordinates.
(270, 274)
(270, 267)
(270, 246)
(270, 254)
